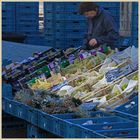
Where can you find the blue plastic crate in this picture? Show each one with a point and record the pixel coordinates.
(36, 132)
(4, 104)
(62, 127)
(36, 40)
(111, 126)
(32, 131)
(59, 45)
(46, 121)
(27, 4)
(27, 16)
(8, 6)
(31, 10)
(6, 21)
(65, 35)
(109, 4)
(6, 62)
(61, 6)
(74, 35)
(29, 33)
(65, 24)
(21, 111)
(27, 28)
(32, 115)
(72, 16)
(103, 120)
(7, 90)
(76, 131)
(69, 130)
(73, 115)
(64, 30)
(134, 6)
(8, 14)
(27, 22)
(134, 21)
(134, 35)
(8, 26)
(10, 106)
(120, 133)
(129, 107)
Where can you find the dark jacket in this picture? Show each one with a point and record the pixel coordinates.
(103, 28)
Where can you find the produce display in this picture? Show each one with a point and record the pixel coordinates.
(121, 91)
(77, 81)
(43, 83)
(50, 103)
(96, 77)
(86, 62)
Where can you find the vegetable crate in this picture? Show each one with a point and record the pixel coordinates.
(62, 127)
(36, 132)
(71, 126)
(20, 110)
(116, 93)
(7, 90)
(111, 126)
(129, 109)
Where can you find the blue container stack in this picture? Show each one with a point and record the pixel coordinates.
(38, 39)
(64, 27)
(35, 132)
(8, 17)
(134, 25)
(20, 17)
(27, 17)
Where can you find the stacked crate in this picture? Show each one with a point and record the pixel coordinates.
(27, 17)
(8, 17)
(134, 24)
(20, 17)
(35, 132)
(64, 27)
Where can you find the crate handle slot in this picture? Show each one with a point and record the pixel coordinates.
(123, 133)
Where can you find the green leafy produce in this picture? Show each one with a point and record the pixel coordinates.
(135, 77)
(62, 92)
(86, 88)
(69, 50)
(77, 82)
(85, 64)
(124, 86)
(111, 95)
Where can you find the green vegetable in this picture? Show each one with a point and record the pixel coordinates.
(135, 77)
(108, 97)
(124, 87)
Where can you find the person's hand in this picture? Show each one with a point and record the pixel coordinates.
(92, 42)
